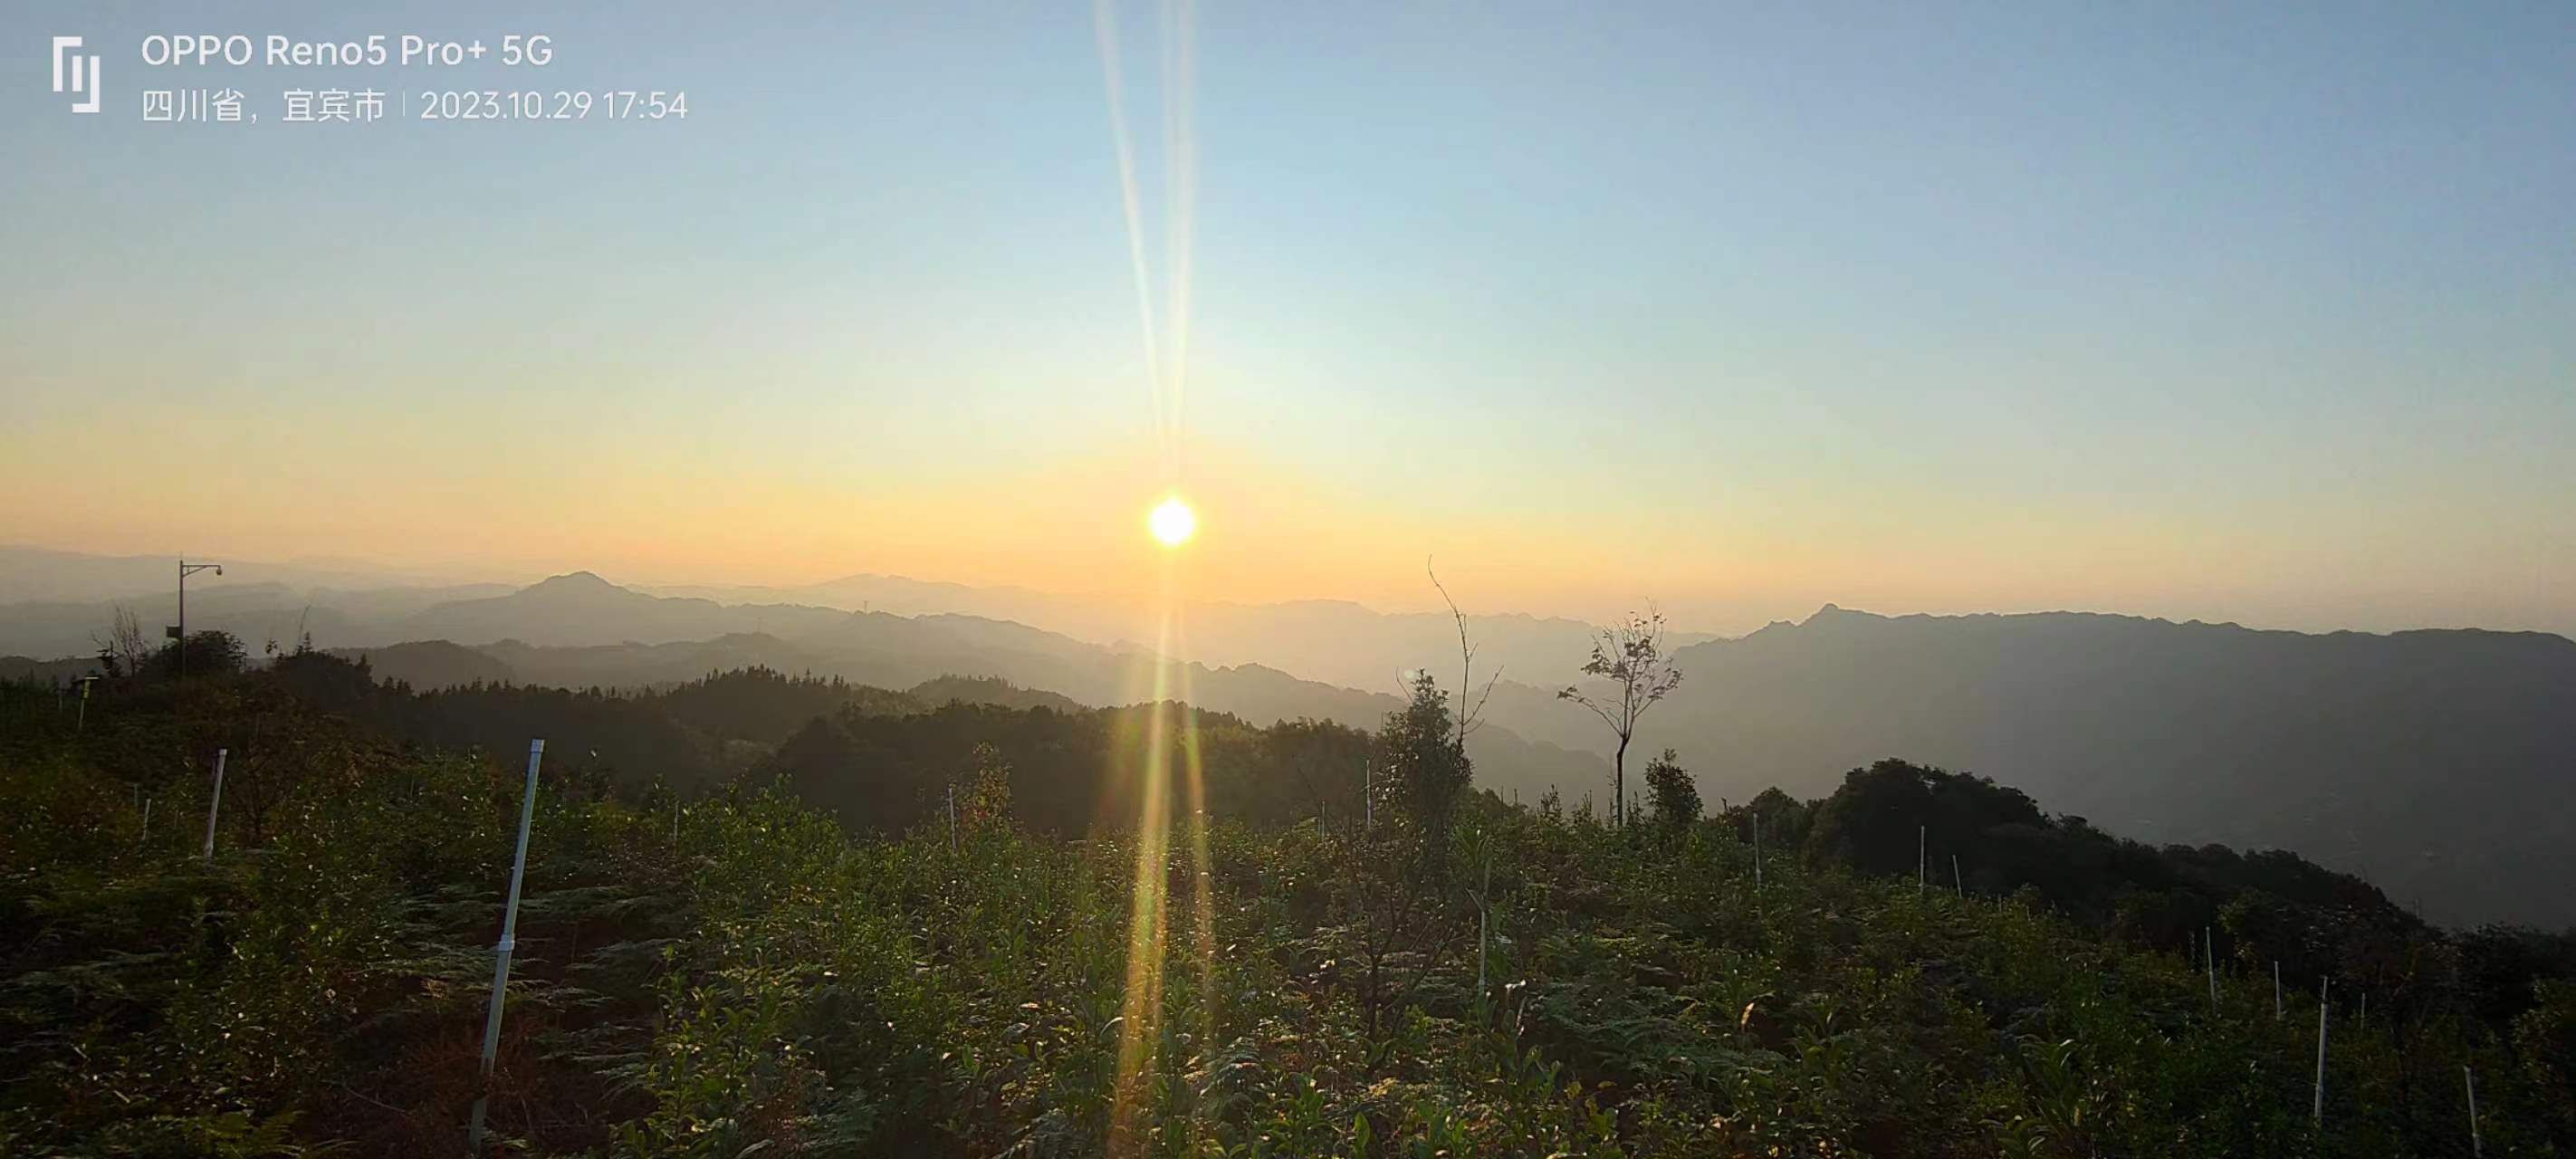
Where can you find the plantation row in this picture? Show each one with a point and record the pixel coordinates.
(739, 973)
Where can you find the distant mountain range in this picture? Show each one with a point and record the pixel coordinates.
(55, 603)
(1330, 640)
(43, 575)
(2440, 764)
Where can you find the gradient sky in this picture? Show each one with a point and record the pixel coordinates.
(2263, 313)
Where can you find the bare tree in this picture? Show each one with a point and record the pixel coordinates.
(124, 652)
(1470, 715)
(1629, 657)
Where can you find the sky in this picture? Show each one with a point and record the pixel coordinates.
(2254, 313)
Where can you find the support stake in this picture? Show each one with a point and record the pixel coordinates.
(215, 803)
(1757, 852)
(2209, 955)
(501, 956)
(2477, 1147)
(2317, 1111)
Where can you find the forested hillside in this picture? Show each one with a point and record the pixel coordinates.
(884, 926)
(2394, 756)
(2354, 748)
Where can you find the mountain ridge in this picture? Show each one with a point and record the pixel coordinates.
(2354, 747)
(2387, 754)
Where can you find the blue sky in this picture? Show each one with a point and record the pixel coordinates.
(2197, 310)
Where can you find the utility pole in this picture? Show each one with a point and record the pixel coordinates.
(215, 803)
(187, 569)
(509, 942)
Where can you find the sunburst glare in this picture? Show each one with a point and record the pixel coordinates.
(1173, 523)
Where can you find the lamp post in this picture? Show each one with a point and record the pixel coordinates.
(187, 569)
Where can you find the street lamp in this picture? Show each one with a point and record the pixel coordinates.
(180, 633)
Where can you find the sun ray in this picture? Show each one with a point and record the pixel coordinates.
(1170, 724)
(1171, 732)
(1149, 901)
(1104, 27)
(1202, 867)
(1180, 214)
(1140, 1012)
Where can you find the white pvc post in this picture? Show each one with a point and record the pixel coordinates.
(1922, 843)
(1484, 908)
(215, 802)
(2476, 1147)
(146, 838)
(2318, 1110)
(1957, 883)
(2209, 954)
(1757, 851)
(952, 816)
(509, 942)
(1368, 795)
(2276, 989)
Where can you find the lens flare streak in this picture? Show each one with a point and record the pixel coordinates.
(1167, 338)
(1171, 724)
(1171, 729)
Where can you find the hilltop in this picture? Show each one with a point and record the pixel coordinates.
(956, 928)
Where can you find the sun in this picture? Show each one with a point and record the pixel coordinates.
(1173, 522)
